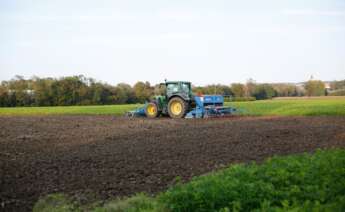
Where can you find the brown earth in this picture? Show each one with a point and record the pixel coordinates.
(101, 157)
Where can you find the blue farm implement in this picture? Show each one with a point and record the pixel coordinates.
(178, 101)
(209, 106)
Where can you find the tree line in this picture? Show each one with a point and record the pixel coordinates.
(80, 90)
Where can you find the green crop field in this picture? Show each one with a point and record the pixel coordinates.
(69, 110)
(294, 106)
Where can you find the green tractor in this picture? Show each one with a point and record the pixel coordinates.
(178, 101)
(175, 103)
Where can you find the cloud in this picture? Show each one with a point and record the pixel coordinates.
(312, 12)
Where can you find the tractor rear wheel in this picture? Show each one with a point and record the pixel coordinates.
(177, 107)
(151, 110)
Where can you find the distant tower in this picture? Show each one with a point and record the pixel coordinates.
(311, 77)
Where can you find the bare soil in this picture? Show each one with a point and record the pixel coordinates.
(102, 157)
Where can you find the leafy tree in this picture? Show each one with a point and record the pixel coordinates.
(124, 94)
(238, 89)
(198, 90)
(42, 92)
(210, 89)
(223, 90)
(68, 90)
(143, 91)
(20, 90)
(159, 89)
(100, 94)
(213, 89)
(315, 88)
(264, 91)
(4, 97)
(285, 89)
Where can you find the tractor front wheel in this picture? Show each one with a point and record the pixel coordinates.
(151, 110)
(177, 107)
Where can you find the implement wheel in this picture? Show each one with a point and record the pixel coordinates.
(177, 108)
(151, 110)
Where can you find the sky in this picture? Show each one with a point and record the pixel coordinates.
(202, 41)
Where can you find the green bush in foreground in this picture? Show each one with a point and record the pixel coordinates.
(283, 182)
(306, 182)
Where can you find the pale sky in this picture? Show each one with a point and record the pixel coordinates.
(205, 42)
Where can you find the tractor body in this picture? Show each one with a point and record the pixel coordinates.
(178, 101)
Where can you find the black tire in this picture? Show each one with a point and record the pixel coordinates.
(182, 107)
(151, 110)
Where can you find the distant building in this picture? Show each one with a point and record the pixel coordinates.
(327, 86)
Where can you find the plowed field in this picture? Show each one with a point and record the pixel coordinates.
(100, 157)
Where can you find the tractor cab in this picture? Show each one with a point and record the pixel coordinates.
(178, 88)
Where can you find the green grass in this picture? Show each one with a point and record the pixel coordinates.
(292, 107)
(69, 110)
(286, 107)
(55, 203)
(304, 182)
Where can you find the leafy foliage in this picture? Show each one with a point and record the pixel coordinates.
(315, 88)
(143, 91)
(264, 91)
(301, 181)
(79, 90)
(65, 91)
(139, 202)
(238, 89)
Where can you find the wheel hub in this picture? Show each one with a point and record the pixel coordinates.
(176, 108)
(151, 110)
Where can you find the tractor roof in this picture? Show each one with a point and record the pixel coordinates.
(172, 82)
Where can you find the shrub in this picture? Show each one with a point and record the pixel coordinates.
(301, 181)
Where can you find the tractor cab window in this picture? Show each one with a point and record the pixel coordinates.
(185, 87)
(172, 88)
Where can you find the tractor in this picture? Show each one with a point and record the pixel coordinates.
(178, 101)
